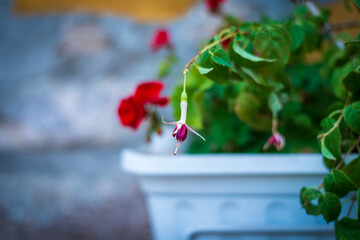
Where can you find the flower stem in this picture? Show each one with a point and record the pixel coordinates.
(206, 48)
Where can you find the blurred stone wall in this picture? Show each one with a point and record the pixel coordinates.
(62, 76)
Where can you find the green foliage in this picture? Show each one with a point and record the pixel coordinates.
(267, 79)
(339, 183)
(352, 170)
(330, 145)
(216, 72)
(352, 82)
(352, 116)
(246, 59)
(329, 206)
(273, 41)
(306, 196)
(347, 229)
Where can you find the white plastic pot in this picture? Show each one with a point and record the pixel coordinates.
(229, 196)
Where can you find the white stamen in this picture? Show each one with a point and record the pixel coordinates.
(177, 146)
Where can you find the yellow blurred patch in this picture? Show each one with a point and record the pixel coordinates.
(139, 10)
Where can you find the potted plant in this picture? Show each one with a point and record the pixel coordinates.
(254, 89)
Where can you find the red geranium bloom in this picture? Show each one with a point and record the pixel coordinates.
(132, 111)
(214, 5)
(160, 39)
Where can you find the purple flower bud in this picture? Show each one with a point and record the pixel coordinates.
(180, 133)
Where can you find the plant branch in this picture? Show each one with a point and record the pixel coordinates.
(206, 48)
(348, 153)
(337, 123)
(352, 204)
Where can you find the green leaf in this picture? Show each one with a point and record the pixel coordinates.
(352, 116)
(203, 70)
(339, 183)
(274, 104)
(246, 59)
(347, 229)
(221, 57)
(219, 74)
(352, 82)
(329, 206)
(357, 3)
(273, 41)
(325, 151)
(250, 75)
(249, 110)
(311, 38)
(352, 170)
(330, 145)
(297, 35)
(337, 80)
(310, 193)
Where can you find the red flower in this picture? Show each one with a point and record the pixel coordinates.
(160, 39)
(214, 5)
(132, 111)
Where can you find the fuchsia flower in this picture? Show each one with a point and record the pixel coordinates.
(276, 140)
(161, 38)
(132, 111)
(214, 5)
(181, 128)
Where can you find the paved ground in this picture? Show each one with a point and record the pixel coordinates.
(74, 194)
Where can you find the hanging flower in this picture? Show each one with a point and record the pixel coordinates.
(132, 110)
(161, 38)
(276, 140)
(181, 128)
(214, 5)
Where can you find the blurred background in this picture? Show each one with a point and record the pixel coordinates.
(64, 66)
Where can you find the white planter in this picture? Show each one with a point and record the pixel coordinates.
(229, 196)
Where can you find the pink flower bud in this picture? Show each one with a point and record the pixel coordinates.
(276, 140)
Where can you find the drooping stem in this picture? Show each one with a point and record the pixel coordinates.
(274, 125)
(206, 48)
